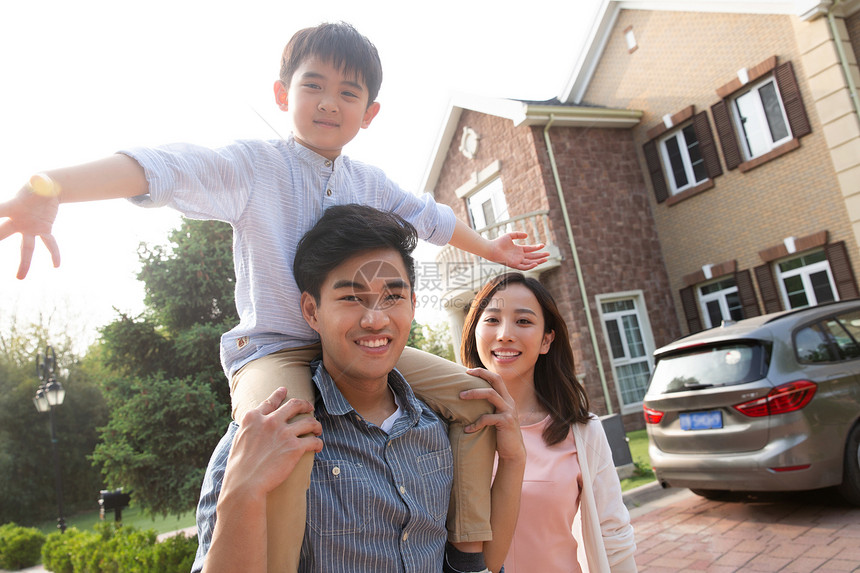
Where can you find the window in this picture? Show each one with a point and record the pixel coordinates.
(720, 301)
(683, 159)
(760, 119)
(628, 338)
(759, 115)
(830, 340)
(487, 207)
(806, 280)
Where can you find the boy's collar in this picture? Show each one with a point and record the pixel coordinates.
(312, 157)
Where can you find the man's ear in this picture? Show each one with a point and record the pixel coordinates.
(281, 95)
(309, 310)
(369, 114)
(414, 302)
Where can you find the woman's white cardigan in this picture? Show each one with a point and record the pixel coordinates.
(602, 525)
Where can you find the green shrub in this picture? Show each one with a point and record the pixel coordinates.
(58, 548)
(19, 546)
(174, 554)
(113, 548)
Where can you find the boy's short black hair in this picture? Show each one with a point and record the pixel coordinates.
(345, 231)
(339, 44)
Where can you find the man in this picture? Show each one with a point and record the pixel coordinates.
(380, 486)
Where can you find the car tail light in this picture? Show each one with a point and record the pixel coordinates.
(782, 399)
(652, 416)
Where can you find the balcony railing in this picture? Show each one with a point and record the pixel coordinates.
(462, 271)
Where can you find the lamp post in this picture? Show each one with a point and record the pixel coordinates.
(50, 395)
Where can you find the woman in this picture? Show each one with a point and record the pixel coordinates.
(572, 517)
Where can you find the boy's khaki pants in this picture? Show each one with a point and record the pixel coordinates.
(436, 381)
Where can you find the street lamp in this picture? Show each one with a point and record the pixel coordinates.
(50, 395)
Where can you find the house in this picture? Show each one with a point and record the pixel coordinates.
(701, 164)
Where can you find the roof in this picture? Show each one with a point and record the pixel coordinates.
(521, 112)
(580, 76)
(568, 108)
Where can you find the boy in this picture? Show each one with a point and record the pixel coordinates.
(271, 193)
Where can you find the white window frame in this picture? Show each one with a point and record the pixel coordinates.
(685, 160)
(804, 272)
(719, 296)
(759, 119)
(494, 192)
(641, 313)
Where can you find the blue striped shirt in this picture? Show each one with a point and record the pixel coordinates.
(272, 193)
(377, 501)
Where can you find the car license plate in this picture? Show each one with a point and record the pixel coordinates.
(702, 420)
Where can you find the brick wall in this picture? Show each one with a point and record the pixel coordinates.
(681, 59)
(610, 217)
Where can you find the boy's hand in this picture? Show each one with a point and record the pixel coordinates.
(31, 214)
(521, 257)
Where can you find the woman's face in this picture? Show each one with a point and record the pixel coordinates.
(510, 334)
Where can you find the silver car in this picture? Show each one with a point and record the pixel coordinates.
(770, 403)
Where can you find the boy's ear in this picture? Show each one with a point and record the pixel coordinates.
(369, 114)
(309, 310)
(281, 95)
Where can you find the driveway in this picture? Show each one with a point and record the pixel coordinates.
(801, 532)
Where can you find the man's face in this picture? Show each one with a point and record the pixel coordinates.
(363, 316)
(327, 106)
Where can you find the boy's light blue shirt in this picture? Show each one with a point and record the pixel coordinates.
(377, 501)
(272, 192)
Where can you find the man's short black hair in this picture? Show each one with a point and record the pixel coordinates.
(345, 231)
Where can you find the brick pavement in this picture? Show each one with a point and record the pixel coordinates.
(813, 532)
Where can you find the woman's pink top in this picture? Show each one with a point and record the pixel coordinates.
(543, 539)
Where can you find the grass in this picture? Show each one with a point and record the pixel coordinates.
(130, 516)
(638, 441)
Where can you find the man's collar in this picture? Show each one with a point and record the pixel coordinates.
(336, 404)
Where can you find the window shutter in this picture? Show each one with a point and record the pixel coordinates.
(655, 169)
(840, 266)
(691, 309)
(767, 288)
(706, 144)
(791, 100)
(726, 131)
(746, 292)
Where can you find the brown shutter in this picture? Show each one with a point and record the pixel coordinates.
(746, 292)
(840, 266)
(726, 131)
(791, 100)
(768, 289)
(655, 169)
(702, 127)
(691, 309)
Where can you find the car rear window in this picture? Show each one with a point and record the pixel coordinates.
(699, 367)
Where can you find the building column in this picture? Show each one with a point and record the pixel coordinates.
(832, 99)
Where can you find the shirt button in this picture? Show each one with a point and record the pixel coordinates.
(328, 192)
(405, 536)
(402, 489)
(335, 470)
(328, 163)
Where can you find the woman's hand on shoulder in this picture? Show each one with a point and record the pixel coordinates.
(509, 438)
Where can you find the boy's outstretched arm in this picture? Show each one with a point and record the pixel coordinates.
(33, 209)
(500, 250)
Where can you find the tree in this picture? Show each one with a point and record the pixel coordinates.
(166, 391)
(433, 339)
(27, 482)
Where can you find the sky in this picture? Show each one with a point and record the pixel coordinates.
(84, 79)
